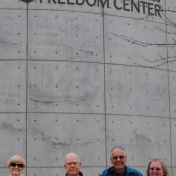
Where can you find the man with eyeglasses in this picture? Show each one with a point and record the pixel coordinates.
(118, 160)
(72, 165)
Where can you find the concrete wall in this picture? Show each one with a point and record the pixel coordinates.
(67, 84)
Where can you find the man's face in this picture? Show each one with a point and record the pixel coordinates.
(118, 160)
(72, 165)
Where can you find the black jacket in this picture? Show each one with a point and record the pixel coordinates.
(80, 174)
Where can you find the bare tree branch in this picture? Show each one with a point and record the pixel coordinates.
(137, 42)
(161, 60)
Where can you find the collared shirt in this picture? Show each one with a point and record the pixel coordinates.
(80, 174)
(128, 172)
(113, 173)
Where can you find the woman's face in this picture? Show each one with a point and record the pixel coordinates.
(156, 169)
(16, 168)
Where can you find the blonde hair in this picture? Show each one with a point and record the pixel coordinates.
(16, 158)
(164, 167)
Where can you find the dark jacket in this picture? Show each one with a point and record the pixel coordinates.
(129, 172)
(80, 174)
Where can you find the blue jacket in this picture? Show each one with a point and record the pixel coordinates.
(129, 172)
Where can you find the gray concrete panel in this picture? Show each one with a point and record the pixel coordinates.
(172, 92)
(171, 50)
(171, 8)
(12, 136)
(140, 137)
(136, 91)
(170, 14)
(46, 39)
(170, 171)
(173, 139)
(4, 171)
(13, 35)
(63, 35)
(52, 136)
(46, 171)
(174, 171)
(66, 7)
(65, 87)
(13, 86)
(126, 10)
(120, 51)
(11, 4)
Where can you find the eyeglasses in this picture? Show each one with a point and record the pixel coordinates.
(157, 169)
(18, 165)
(120, 157)
(73, 163)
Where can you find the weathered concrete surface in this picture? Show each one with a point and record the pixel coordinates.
(120, 51)
(12, 86)
(173, 131)
(48, 146)
(46, 171)
(137, 91)
(65, 87)
(13, 136)
(172, 92)
(79, 79)
(62, 35)
(11, 4)
(174, 171)
(171, 7)
(4, 171)
(143, 132)
(13, 34)
(171, 49)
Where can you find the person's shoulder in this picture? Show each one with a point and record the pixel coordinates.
(80, 173)
(134, 171)
(106, 171)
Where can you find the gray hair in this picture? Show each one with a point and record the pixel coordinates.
(117, 148)
(71, 154)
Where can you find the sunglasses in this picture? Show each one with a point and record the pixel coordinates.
(18, 165)
(120, 157)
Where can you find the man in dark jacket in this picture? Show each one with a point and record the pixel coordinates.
(118, 160)
(72, 165)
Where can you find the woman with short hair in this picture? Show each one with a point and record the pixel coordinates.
(16, 164)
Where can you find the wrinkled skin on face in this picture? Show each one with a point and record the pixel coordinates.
(15, 171)
(118, 164)
(70, 166)
(156, 169)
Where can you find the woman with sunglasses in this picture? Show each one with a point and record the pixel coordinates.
(16, 164)
(157, 167)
